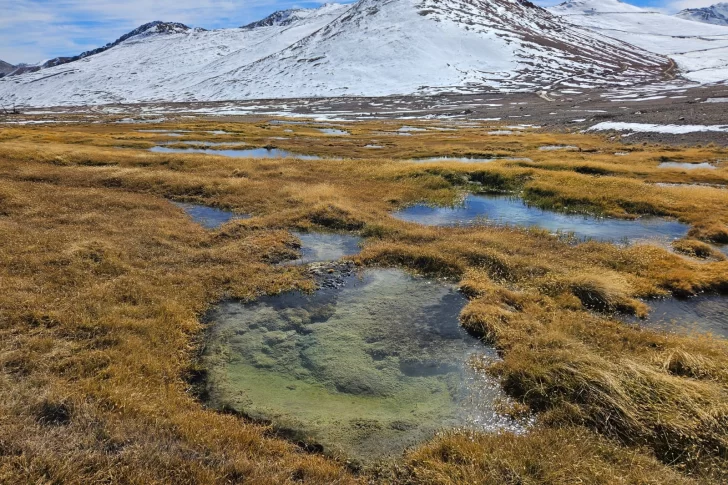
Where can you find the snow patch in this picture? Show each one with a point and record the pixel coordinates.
(654, 128)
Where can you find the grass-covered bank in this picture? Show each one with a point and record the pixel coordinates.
(103, 282)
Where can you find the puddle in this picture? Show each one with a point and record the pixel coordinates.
(208, 217)
(366, 369)
(248, 153)
(468, 159)
(408, 129)
(287, 122)
(705, 314)
(690, 186)
(687, 166)
(165, 132)
(321, 247)
(374, 147)
(333, 131)
(550, 148)
(513, 211)
(212, 143)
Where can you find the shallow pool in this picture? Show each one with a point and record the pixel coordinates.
(365, 370)
(209, 217)
(513, 211)
(247, 153)
(551, 148)
(211, 143)
(705, 314)
(468, 159)
(687, 166)
(319, 247)
(333, 131)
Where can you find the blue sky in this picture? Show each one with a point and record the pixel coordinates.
(35, 30)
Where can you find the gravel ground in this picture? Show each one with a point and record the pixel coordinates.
(558, 111)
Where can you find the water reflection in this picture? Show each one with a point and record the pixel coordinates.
(367, 370)
(513, 211)
(247, 153)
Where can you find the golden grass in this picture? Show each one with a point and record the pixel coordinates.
(102, 283)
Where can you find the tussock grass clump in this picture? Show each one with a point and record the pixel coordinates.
(713, 231)
(697, 249)
(564, 456)
(605, 293)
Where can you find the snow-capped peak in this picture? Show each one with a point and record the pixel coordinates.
(6, 68)
(151, 28)
(290, 16)
(716, 14)
(594, 6)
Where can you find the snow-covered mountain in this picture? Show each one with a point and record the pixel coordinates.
(291, 16)
(157, 27)
(700, 50)
(6, 68)
(716, 14)
(370, 48)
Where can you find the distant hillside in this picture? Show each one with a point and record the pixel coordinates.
(716, 14)
(150, 28)
(699, 50)
(6, 68)
(369, 48)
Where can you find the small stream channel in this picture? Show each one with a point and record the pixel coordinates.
(375, 361)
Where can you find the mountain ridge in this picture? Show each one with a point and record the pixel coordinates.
(370, 48)
(716, 14)
(6, 68)
(500, 23)
(699, 50)
(155, 27)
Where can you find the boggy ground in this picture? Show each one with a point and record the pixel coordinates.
(103, 283)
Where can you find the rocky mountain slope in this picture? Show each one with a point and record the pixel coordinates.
(6, 68)
(700, 50)
(716, 14)
(370, 48)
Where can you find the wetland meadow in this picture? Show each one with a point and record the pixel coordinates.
(267, 300)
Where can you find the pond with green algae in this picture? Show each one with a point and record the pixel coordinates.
(365, 369)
